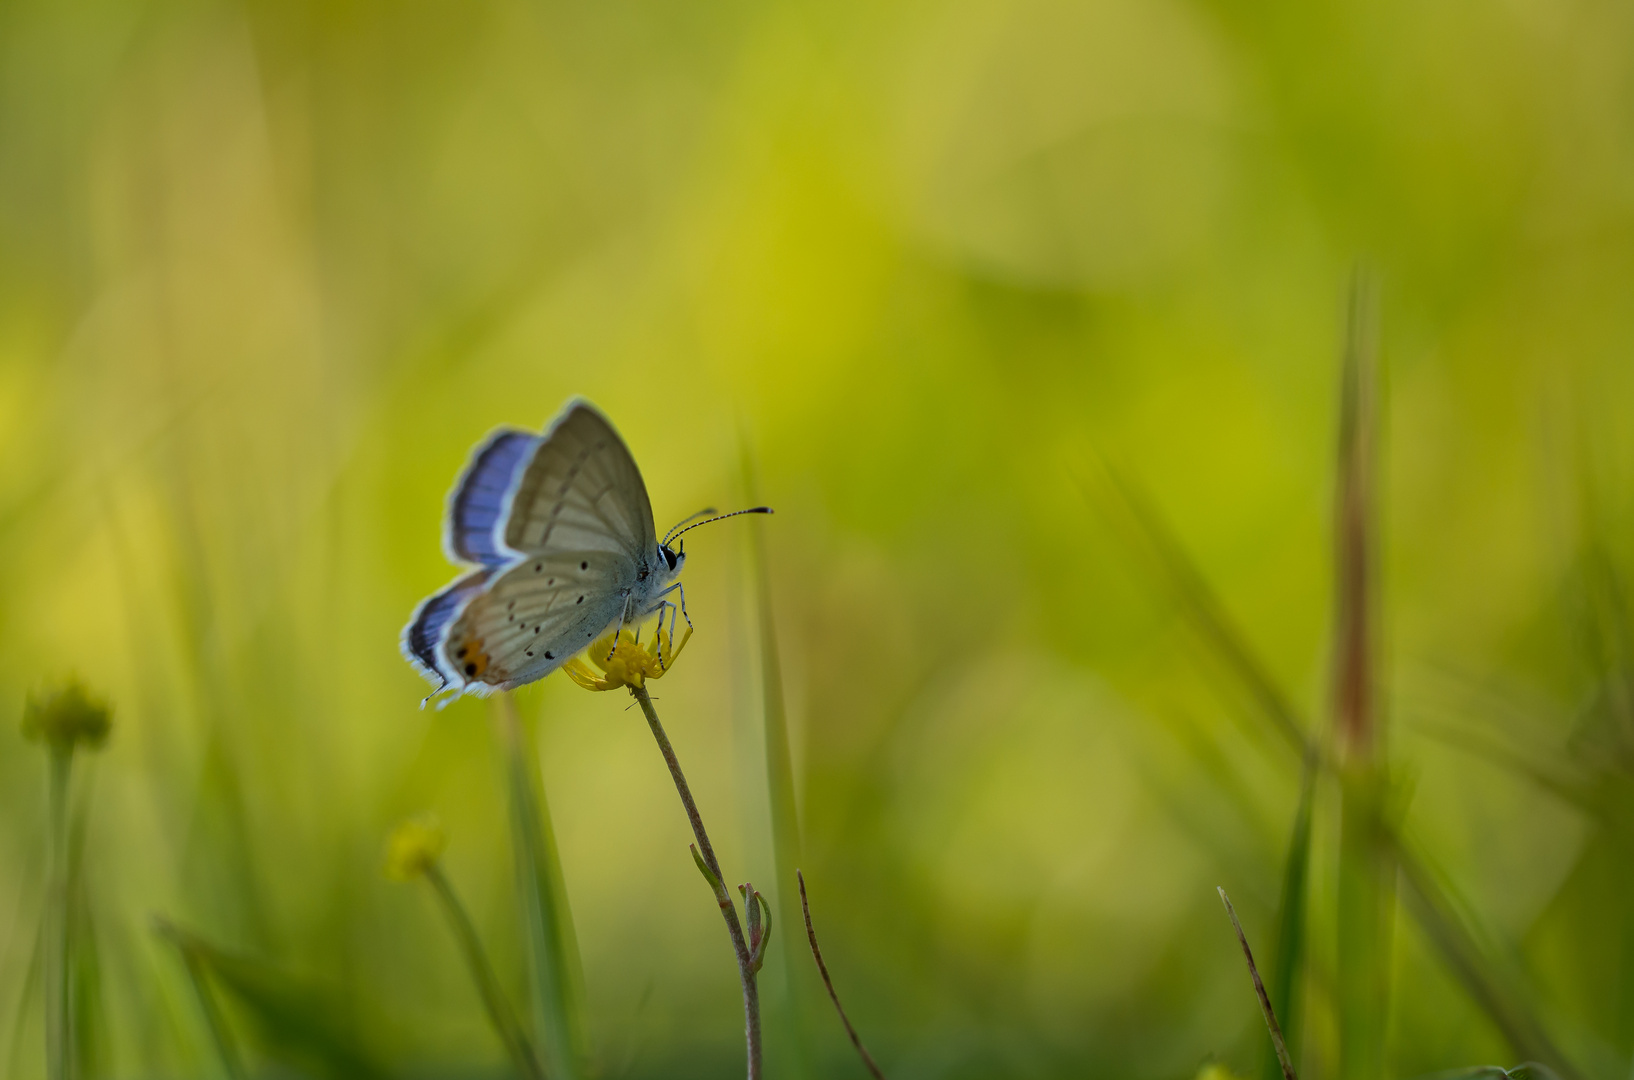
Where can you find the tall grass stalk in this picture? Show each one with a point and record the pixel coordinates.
(1366, 890)
(554, 966)
(785, 820)
(58, 995)
(704, 853)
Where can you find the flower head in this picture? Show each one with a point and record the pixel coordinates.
(414, 847)
(624, 661)
(66, 715)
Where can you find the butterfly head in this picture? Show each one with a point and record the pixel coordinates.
(672, 559)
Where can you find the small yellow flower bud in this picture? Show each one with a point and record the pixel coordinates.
(66, 715)
(1213, 1070)
(414, 847)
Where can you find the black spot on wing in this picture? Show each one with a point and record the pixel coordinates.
(421, 636)
(474, 509)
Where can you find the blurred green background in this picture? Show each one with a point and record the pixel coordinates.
(268, 270)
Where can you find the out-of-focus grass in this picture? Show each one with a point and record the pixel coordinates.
(268, 270)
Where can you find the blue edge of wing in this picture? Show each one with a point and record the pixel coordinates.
(473, 511)
(479, 497)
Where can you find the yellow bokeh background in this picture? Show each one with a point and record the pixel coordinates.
(269, 271)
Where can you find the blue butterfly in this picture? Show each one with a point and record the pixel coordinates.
(559, 530)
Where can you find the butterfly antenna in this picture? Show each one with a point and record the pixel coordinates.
(705, 512)
(719, 517)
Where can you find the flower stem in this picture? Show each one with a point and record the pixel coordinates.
(56, 916)
(506, 1025)
(746, 970)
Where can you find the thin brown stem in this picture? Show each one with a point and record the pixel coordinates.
(822, 969)
(1259, 988)
(740, 946)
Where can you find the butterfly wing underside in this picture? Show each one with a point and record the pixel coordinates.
(533, 616)
(574, 530)
(422, 637)
(580, 492)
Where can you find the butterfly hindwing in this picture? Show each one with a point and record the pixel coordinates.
(580, 491)
(534, 615)
(425, 629)
(478, 498)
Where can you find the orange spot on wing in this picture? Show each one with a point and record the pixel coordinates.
(470, 657)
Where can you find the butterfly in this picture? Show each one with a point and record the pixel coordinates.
(558, 532)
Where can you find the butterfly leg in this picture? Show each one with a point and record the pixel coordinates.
(676, 588)
(683, 606)
(658, 628)
(623, 621)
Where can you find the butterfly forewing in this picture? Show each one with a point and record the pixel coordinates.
(477, 502)
(580, 491)
(534, 615)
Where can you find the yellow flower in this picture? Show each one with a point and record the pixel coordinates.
(414, 847)
(628, 663)
(66, 715)
(1213, 1070)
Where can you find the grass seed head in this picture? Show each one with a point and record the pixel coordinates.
(66, 716)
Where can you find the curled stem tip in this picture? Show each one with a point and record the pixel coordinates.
(715, 885)
(822, 969)
(759, 915)
(1259, 989)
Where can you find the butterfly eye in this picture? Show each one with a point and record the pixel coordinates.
(669, 556)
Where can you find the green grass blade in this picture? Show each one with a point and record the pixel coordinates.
(561, 1033)
(32, 975)
(785, 823)
(500, 1014)
(1436, 913)
(1144, 531)
(58, 962)
(1288, 973)
(215, 1022)
(303, 1024)
(87, 1023)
